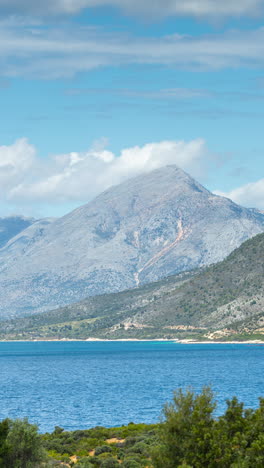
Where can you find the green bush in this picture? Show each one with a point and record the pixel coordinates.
(131, 464)
(140, 448)
(110, 463)
(102, 449)
(85, 463)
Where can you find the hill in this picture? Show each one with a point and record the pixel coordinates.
(221, 301)
(150, 227)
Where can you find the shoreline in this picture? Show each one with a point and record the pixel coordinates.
(94, 340)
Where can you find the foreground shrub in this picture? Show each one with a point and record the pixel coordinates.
(110, 463)
(191, 437)
(20, 445)
(102, 449)
(131, 464)
(85, 463)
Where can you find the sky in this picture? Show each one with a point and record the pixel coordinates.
(93, 92)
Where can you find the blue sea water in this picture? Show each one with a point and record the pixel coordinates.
(78, 385)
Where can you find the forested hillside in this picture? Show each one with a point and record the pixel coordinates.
(224, 299)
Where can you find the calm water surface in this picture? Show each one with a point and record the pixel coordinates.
(78, 385)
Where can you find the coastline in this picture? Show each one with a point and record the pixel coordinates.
(221, 342)
(94, 340)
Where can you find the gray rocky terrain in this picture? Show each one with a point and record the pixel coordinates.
(145, 229)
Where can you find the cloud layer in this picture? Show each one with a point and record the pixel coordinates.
(65, 178)
(250, 195)
(156, 8)
(75, 178)
(32, 50)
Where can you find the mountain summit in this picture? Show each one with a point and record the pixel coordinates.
(147, 228)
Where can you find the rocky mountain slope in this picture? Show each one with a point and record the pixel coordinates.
(145, 229)
(221, 300)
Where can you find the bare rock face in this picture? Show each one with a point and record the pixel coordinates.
(152, 226)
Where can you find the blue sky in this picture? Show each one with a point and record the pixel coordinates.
(95, 91)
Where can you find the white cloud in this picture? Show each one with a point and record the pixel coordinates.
(67, 180)
(249, 195)
(48, 52)
(78, 177)
(156, 8)
(15, 161)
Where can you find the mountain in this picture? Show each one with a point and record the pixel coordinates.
(149, 227)
(221, 300)
(11, 226)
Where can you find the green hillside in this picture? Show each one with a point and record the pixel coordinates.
(220, 301)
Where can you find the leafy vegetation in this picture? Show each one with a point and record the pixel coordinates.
(129, 446)
(189, 436)
(227, 296)
(20, 445)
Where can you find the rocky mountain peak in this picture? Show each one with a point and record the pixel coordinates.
(151, 226)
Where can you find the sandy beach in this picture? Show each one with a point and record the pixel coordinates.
(186, 341)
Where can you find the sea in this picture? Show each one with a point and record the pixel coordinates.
(79, 385)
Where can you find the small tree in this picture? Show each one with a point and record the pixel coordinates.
(24, 445)
(186, 433)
